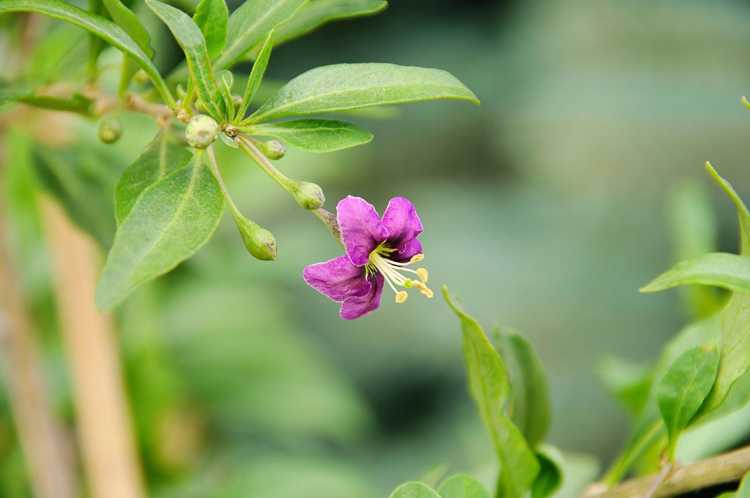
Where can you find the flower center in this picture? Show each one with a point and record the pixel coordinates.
(393, 272)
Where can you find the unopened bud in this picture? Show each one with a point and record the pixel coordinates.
(308, 195)
(110, 130)
(201, 131)
(272, 149)
(141, 77)
(259, 242)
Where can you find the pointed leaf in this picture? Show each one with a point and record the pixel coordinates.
(729, 271)
(529, 400)
(315, 135)
(251, 23)
(97, 25)
(168, 223)
(211, 16)
(684, 388)
(489, 386)
(315, 14)
(165, 154)
(342, 87)
(256, 76)
(462, 486)
(129, 22)
(190, 39)
(414, 490)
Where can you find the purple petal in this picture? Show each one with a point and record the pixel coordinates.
(361, 228)
(337, 278)
(403, 224)
(354, 307)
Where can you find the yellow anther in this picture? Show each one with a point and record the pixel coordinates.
(423, 274)
(424, 290)
(416, 258)
(401, 297)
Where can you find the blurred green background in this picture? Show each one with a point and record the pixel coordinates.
(545, 208)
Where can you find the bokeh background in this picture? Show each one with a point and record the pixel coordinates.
(545, 209)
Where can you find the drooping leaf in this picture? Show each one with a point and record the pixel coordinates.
(256, 76)
(191, 40)
(462, 486)
(129, 22)
(251, 23)
(165, 154)
(315, 14)
(97, 25)
(342, 87)
(550, 476)
(414, 489)
(719, 269)
(168, 223)
(684, 388)
(211, 16)
(77, 103)
(489, 386)
(529, 394)
(315, 135)
(82, 179)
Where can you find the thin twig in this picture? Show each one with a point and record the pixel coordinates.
(721, 469)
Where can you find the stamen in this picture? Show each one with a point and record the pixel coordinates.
(392, 272)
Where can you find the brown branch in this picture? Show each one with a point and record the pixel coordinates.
(104, 428)
(41, 434)
(721, 469)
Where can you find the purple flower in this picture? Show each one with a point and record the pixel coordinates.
(378, 251)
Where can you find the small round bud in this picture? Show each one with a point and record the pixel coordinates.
(272, 149)
(141, 77)
(259, 242)
(110, 130)
(308, 195)
(201, 131)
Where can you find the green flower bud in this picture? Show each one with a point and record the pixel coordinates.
(272, 149)
(259, 242)
(308, 195)
(201, 131)
(110, 130)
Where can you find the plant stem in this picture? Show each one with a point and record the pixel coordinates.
(41, 435)
(251, 150)
(220, 180)
(104, 428)
(729, 467)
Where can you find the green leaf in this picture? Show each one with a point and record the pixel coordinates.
(684, 388)
(342, 87)
(462, 486)
(414, 489)
(744, 490)
(190, 39)
(315, 135)
(315, 14)
(734, 367)
(82, 179)
(21, 93)
(256, 76)
(129, 22)
(97, 25)
(211, 16)
(165, 154)
(489, 386)
(529, 397)
(550, 476)
(729, 271)
(168, 223)
(251, 23)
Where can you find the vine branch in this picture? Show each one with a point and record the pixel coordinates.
(721, 469)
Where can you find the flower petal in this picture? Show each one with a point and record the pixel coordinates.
(337, 278)
(356, 306)
(403, 224)
(361, 228)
